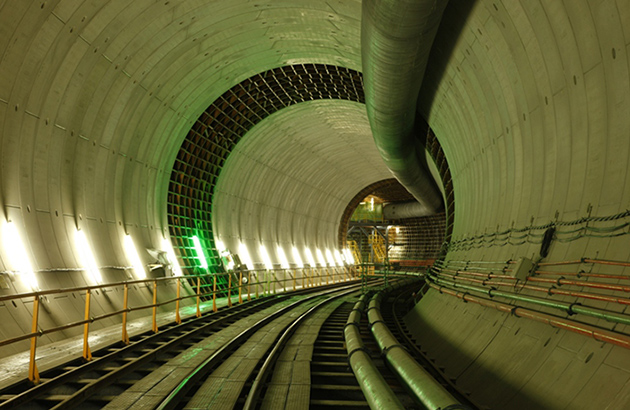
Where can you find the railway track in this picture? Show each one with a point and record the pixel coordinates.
(237, 378)
(118, 368)
(282, 352)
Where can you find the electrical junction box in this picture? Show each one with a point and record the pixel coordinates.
(523, 268)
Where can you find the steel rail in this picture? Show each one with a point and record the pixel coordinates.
(263, 373)
(73, 375)
(196, 375)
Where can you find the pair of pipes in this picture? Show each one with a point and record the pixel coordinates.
(417, 381)
(376, 390)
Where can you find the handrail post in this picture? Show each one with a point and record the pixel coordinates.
(33, 373)
(240, 287)
(154, 327)
(214, 292)
(249, 286)
(198, 314)
(284, 281)
(229, 301)
(257, 284)
(268, 283)
(125, 335)
(178, 318)
(294, 279)
(87, 353)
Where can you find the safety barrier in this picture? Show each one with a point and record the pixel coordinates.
(247, 284)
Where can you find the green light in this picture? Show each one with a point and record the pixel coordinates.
(199, 250)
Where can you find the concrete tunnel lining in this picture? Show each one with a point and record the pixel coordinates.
(287, 182)
(527, 98)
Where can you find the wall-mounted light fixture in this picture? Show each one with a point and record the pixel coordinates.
(244, 256)
(320, 257)
(338, 257)
(349, 257)
(265, 257)
(297, 259)
(170, 253)
(329, 258)
(284, 262)
(18, 257)
(86, 257)
(134, 258)
(201, 257)
(309, 257)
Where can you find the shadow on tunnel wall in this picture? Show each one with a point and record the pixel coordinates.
(453, 21)
(488, 389)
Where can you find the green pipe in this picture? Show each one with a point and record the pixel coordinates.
(375, 389)
(569, 308)
(424, 387)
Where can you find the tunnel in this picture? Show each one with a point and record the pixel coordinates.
(145, 140)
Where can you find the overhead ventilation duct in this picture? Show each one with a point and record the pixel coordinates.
(403, 210)
(396, 38)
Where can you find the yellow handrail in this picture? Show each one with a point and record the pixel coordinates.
(311, 275)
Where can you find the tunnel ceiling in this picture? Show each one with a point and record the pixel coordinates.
(326, 137)
(287, 182)
(97, 97)
(529, 99)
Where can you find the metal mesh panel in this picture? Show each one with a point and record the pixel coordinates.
(220, 127)
(417, 239)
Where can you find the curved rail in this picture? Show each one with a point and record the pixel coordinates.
(258, 384)
(138, 350)
(196, 375)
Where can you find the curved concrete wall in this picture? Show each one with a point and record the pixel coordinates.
(95, 100)
(288, 181)
(530, 102)
(528, 99)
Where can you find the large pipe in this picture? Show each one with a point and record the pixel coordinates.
(424, 387)
(396, 38)
(375, 389)
(403, 210)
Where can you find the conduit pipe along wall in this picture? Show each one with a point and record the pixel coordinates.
(396, 37)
